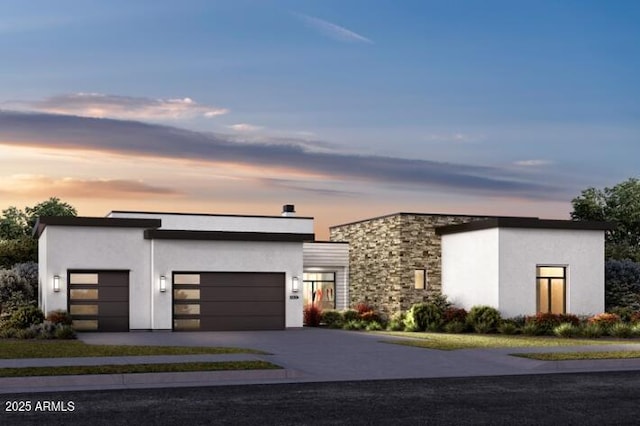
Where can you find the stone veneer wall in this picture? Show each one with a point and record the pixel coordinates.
(385, 251)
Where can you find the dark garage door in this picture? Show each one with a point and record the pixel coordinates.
(216, 301)
(99, 300)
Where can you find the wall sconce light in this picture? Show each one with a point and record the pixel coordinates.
(295, 284)
(163, 283)
(56, 283)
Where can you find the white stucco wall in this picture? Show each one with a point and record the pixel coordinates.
(581, 251)
(189, 222)
(62, 248)
(470, 268)
(226, 256)
(330, 257)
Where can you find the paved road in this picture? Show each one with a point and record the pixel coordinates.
(581, 399)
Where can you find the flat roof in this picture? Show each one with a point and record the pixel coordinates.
(209, 214)
(117, 222)
(531, 223)
(428, 214)
(152, 234)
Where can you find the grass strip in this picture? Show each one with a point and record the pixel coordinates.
(449, 342)
(17, 349)
(137, 368)
(575, 356)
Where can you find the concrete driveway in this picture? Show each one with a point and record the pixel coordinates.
(313, 354)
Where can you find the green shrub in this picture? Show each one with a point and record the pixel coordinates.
(455, 327)
(453, 314)
(350, 315)
(439, 300)
(64, 332)
(26, 333)
(508, 327)
(59, 316)
(374, 326)
(604, 320)
(44, 330)
(635, 317)
(8, 333)
(533, 329)
(312, 315)
(566, 329)
(424, 316)
(332, 318)
(396, 323)
(26, 316)
(547, 321)
(484, 319)
(592, 331)
(625, 314)
(370, 316)
(353, 325)
(621, 330)
(635, 329)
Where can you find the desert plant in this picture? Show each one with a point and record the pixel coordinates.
(44, 330)
(424, 316)
(312, 315)
(455, 327)
(59, 316)
(604, 320)
(484, 318)
(592, 330)
(25, 317)
(26, 333)
(350, 315)
(8, 333)
(374, 326)
(353, 325)
(532, 329)
(621, 330)
(566, 329)
(508, 327)
(332, 318)
(64, 332)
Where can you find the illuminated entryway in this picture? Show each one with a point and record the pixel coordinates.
(551, 289)
(320, 289)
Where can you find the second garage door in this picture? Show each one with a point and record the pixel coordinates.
(217, 301)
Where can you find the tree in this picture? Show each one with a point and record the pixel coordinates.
(619, 205)
(52, 207)
(622, 284)
(13, 224)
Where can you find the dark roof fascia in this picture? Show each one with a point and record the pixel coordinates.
(211, 214)
(159, 234)
(430, 214)
(524, 223)
(115, 222)
(327, 242)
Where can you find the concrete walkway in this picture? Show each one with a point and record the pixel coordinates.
(306, 355)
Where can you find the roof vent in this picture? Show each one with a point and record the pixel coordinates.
(288, 210)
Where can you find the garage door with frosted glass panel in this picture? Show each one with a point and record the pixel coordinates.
(216, 301)
(99, 300)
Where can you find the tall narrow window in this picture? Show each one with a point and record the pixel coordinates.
(420, 279)
(551, 289)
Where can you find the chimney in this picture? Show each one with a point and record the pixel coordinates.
(288, 210)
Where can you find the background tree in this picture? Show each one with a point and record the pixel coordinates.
(52, 207)
(619, 205)
(13, 224)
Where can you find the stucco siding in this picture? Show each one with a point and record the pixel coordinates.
(330, 257)
(581, 251)
(470, 268)
(226, 256)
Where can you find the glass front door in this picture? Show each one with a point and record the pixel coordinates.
(319, 289)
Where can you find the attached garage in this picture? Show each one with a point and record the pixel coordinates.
(99, 300)
(219, 301)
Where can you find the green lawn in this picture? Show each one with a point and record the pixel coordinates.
(15, 349)
(449, 342)
(573, 356)
(137, 368)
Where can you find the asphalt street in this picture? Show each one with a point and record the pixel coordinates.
(569, 399)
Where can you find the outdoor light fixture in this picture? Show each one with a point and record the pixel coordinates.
(56, 283)
(163, 283)
(295, 284)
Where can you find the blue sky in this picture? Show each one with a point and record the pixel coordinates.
(346, 108)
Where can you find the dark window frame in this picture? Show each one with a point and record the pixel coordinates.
(549, 292)
(313, 282)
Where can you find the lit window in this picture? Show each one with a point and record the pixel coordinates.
(420, 279)
(551, 282)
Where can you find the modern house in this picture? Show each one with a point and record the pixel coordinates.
(173, 271)
(518, 265)
(179, 271)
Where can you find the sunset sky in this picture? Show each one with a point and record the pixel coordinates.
(346, 108)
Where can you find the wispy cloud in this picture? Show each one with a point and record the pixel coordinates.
(532, 163)
(41, 186)
(149, 140)
(100, 105)
(244, 127)
(332, 30)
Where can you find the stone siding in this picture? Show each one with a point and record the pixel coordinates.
(384, 253)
